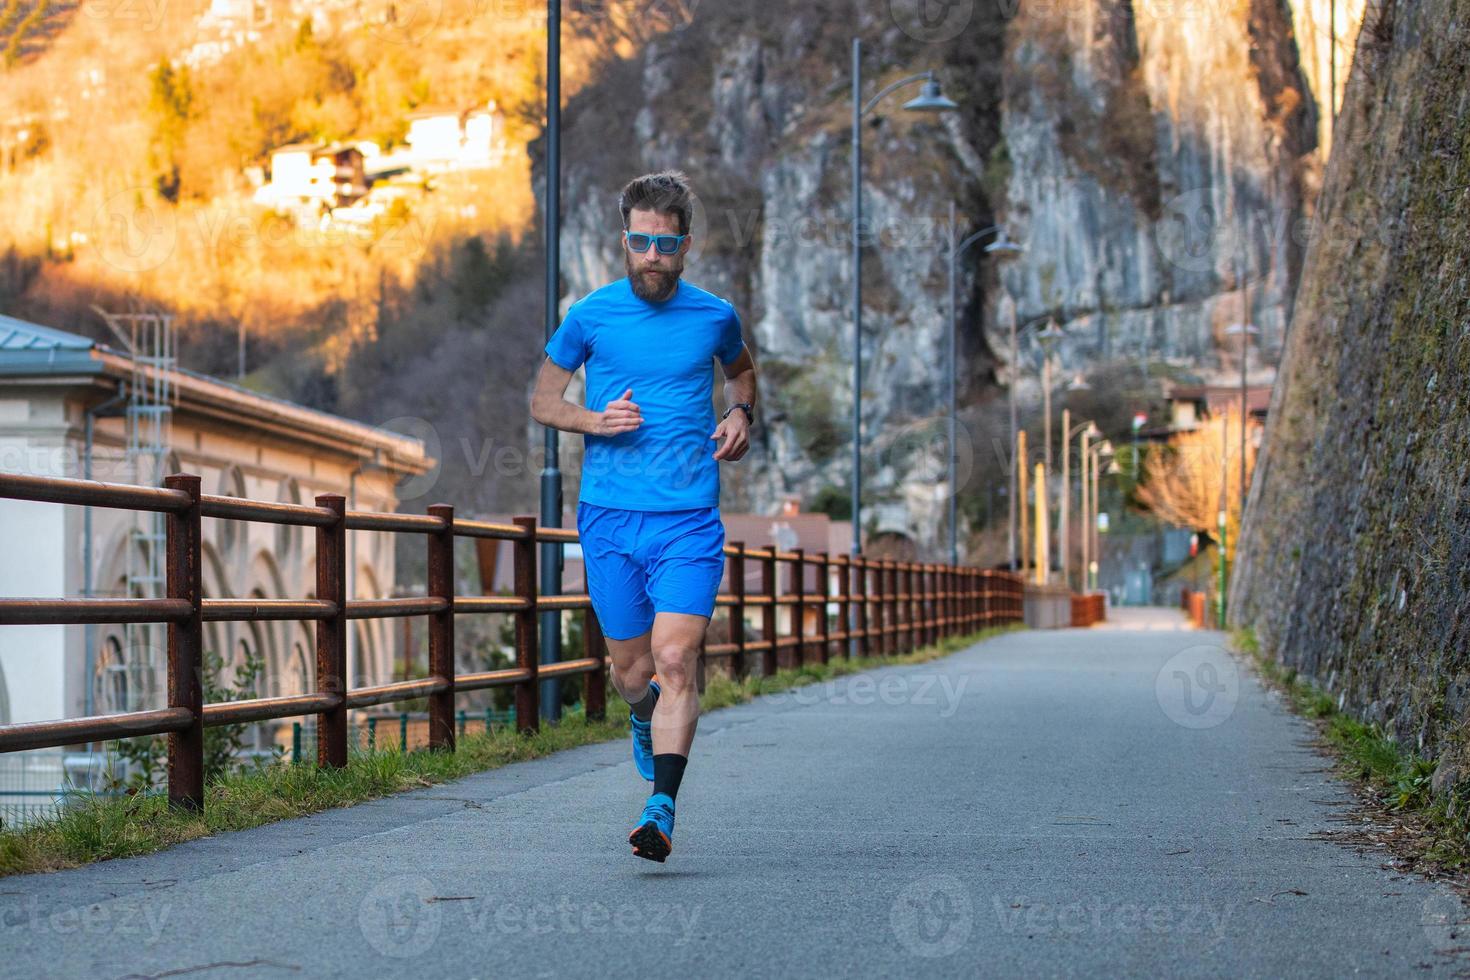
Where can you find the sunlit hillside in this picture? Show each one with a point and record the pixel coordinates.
(134, 138)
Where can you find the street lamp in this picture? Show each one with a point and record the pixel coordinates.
(930, 99)
(1102, 449)
(1016, 462)
(1087, 429)
(1244, 332)
(1002, 246)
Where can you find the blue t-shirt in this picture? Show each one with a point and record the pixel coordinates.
(662, 351)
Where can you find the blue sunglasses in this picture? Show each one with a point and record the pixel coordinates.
(666, 244)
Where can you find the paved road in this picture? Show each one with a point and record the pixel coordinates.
(1070, 803)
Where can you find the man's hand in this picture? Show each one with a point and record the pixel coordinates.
(735, 430)
(620, 415)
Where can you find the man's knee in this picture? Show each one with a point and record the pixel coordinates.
(675, 665)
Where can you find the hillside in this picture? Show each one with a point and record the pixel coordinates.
(1355, 561)
(1152, 164)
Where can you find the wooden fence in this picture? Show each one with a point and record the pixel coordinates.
(891, 606)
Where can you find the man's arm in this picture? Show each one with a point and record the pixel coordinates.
(740, 386)
(550, 407)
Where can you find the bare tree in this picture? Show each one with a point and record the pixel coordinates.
(1197, 475)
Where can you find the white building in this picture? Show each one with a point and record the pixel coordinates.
(457, 139)
(62, 403)
(320, 175)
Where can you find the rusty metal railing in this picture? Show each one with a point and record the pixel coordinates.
(893, 606)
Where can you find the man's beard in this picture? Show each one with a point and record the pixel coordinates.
(654, 285)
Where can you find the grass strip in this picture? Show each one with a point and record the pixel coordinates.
(99, 828)
(1400, 781)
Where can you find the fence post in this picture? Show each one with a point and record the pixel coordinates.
(927, 577)
(528, 697)
(844, 602)
(798, 609)
(860, 590)
(183, 578)
(906, 581)
(824, 572)
(331, 634)
(737, 611)
(441, 629)
(594, 698)
(946, 575)
(769, 622)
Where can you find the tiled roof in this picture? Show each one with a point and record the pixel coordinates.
(20, 335)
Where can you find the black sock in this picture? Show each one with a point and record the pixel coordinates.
(643, 708)
(668, 772)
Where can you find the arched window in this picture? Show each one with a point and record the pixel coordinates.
(288, 536)
(110, 681)
(231, 532)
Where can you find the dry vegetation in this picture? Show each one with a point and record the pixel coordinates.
(124, 171)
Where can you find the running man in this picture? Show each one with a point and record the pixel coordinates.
(648, 512)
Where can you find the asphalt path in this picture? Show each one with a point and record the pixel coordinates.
(1122, 801)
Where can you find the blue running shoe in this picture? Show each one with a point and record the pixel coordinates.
(643, 739)
(653, 838)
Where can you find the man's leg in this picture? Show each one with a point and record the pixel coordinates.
(632, 668)
(677, 638)
(676, 643)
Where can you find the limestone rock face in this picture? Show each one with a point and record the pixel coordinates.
(1152, 155)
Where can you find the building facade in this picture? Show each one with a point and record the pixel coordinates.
(70, 408)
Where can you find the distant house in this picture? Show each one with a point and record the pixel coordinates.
(453, 139)
(233, 15)
(326, 175)
(1191, 404)
(436, 135)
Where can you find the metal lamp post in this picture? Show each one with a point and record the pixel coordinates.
(1001, 246)
(1015, 429)
(551, 483)
(1068, 432)
(1102, 449)
(1244, 332)
(931, 99)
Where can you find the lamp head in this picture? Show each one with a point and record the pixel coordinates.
(1051, 334)
(1004, 247)
(930, 99)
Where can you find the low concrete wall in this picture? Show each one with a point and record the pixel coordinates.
(1048, 607)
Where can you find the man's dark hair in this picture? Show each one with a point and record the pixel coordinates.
(666, 192)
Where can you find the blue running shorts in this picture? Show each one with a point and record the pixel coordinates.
(642, 562)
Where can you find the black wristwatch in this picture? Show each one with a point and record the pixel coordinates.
(749, 413)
